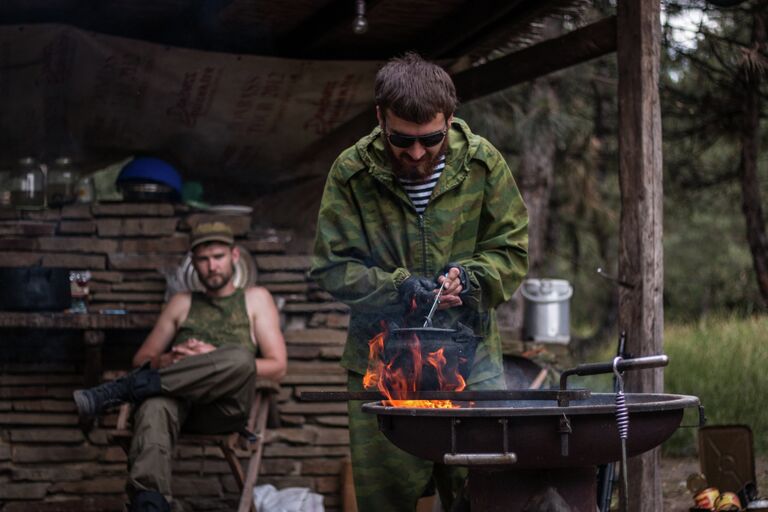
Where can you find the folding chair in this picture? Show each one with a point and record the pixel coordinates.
(263, 410)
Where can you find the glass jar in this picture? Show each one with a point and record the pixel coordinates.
(79, 289)
(27, 185)
(62, 178)
(5, 190)
(84, 192)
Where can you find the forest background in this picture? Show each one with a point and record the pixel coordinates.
(562, 147)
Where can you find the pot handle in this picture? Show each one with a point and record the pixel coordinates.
(479, 459)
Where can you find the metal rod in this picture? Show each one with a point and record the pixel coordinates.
(608, 472)
(637, 363)
(454, 422)
(565, 430)
(519, 394)
(479, 459)
(622, 425)
(602, 273)
(624, 496)
(428, 320)
(504, 434)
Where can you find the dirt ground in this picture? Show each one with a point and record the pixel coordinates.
(675, 471)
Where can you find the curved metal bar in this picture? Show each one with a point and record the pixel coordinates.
(616, 372)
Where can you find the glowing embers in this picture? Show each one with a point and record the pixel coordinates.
(400, 367)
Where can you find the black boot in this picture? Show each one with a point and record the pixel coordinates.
(148, 501)
(141, 383)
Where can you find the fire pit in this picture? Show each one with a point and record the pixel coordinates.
(527, 448)
(530, 429)
(522, 451)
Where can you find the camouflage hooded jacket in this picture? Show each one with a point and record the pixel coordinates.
(370, 239)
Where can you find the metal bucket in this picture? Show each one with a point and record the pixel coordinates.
(547, 310)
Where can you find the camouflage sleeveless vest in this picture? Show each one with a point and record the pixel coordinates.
(217, 320)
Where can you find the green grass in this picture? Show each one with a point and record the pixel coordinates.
(723, 361)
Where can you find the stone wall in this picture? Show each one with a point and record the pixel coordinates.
(47, 463)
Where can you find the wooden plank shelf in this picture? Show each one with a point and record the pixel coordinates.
(93, 326)
(84, 321)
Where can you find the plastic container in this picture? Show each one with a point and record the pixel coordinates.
(547, 310)
(62, 179)
(149, 179)
(27, 185)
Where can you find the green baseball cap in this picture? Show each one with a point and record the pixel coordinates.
(207, 232)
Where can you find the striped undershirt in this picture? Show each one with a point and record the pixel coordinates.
(420, 190)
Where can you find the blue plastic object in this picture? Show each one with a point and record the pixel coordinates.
(151, 169)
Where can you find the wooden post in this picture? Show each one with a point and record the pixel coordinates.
(641, 311)
(93, 340)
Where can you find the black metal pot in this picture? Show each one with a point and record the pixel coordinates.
(459, 346)
(34, 289)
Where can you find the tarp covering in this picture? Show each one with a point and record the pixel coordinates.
(239, 118)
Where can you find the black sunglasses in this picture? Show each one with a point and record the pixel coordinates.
(428, 140)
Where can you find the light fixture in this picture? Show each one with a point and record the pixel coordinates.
(360, 25)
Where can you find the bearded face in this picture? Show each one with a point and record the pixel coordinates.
(405, 166)
(217, 280)
(215, 265)
(419, 158)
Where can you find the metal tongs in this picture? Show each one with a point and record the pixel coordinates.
(428, 318)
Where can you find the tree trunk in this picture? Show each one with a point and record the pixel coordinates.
(751, 202)
(600, 225)
(537, 173)
(535, 180)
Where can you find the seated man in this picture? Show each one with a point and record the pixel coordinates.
(220, 340)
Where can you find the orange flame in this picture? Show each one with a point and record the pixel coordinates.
(395, 382)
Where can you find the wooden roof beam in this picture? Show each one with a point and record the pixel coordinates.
(573, 48)
(314, 29)
(478, 22)
(475, 18)
(580, 45)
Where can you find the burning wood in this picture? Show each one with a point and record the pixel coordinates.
(403, 368)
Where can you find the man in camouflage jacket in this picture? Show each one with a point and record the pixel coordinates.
(373, 244)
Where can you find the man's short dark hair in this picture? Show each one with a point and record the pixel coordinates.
(414, 89)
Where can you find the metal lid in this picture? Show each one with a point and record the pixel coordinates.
(546, 290)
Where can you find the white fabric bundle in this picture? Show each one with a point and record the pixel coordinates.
(291, 499)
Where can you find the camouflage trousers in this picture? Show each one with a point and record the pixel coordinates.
(205, 394)
(388, 479)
